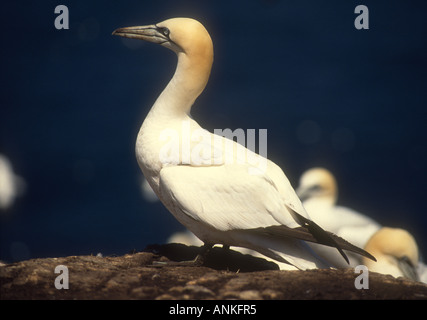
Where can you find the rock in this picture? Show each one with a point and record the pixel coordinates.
(250, 295)
(225, 275)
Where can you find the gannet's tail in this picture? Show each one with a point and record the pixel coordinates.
(312, 232)
(281, 235)
(287, 250)
(287, 245)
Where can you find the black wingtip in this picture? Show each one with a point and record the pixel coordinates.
(328, 238)
(318, 233)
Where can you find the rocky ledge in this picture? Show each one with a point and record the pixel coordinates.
(224, 275)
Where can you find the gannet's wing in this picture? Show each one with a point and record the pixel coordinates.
(224, 197)
(236, 163)
(228, 198)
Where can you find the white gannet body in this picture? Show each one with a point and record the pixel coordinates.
(397, 254)
(318, 191)
(11, 185)
(218, 189)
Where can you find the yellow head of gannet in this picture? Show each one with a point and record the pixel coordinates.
(189, 39)
(318, 183)
(396, 252)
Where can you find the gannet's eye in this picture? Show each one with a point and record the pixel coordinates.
(165, 31)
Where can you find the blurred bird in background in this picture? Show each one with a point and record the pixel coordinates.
(395, 249)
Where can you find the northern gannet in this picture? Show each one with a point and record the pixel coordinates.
(396, 251)
(214, 186)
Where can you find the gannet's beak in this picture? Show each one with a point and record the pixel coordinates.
(305, 193)
(407, 268)
(151, 33)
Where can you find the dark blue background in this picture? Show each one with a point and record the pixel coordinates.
(72, 102)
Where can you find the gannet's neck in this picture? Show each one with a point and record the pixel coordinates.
(188, 82)
(173, 106)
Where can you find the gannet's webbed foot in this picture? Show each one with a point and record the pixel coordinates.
(198, 261)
